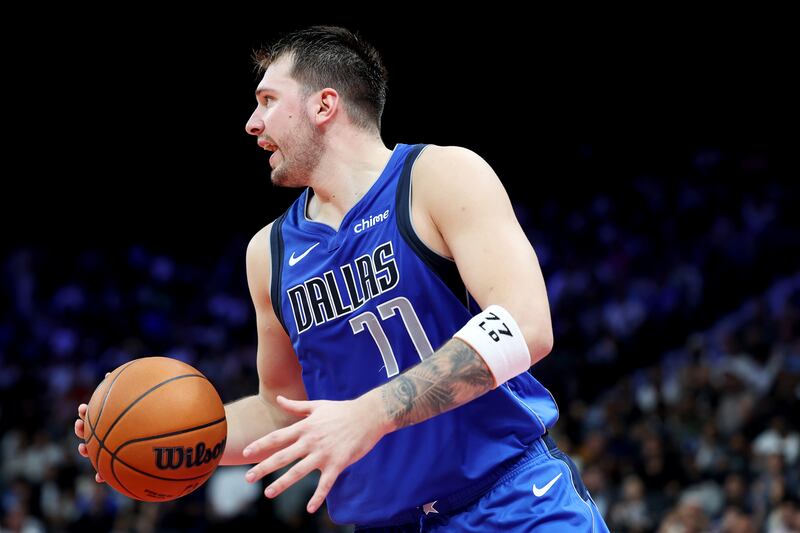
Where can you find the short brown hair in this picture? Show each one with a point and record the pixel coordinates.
(331, 56)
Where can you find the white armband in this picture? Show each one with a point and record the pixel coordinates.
(495, 335)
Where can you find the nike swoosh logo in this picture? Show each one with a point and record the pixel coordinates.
(541, 492)
(294, 260)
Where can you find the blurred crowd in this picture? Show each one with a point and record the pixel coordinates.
(676, 367)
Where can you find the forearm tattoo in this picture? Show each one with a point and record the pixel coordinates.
(451, 377)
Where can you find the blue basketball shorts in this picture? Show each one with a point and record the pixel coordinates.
(543, 492)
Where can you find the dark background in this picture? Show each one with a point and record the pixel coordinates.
(133, 126)
(651, 157)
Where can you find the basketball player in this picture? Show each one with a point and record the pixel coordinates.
(399, 307)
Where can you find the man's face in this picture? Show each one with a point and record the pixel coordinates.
(282, 123)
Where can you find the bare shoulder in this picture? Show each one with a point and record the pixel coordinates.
(451, 163)
(444, 175)
(452, 185)
(259, 243)
(259, 263)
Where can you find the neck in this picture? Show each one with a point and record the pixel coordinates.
(350, 165)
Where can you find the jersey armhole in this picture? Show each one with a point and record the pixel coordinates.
(277, 250)
(444, 268)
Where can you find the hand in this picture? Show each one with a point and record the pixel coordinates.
(331, 436)
(79, 426)
(79, 429)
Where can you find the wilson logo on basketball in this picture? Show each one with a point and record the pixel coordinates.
(176, 457)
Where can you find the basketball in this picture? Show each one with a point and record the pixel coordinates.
(155, 429)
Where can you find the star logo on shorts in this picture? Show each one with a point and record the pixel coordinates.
(428, 508)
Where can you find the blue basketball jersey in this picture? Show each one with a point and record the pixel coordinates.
(363, 304)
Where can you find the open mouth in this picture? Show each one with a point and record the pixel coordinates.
(268, 146)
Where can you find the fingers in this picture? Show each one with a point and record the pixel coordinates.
(296, 407)
(300, 470)
(84, 451)
(269, 444)
(323, 488)
(276, 461)
(79, 431)
(79, 428)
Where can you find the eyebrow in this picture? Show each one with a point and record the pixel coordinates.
(260, 91)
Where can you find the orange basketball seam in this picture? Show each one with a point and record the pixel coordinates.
(102, 405)
(121, 484)
(133, 494)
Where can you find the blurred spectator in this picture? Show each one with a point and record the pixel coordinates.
(676, 308)
(630, 513)
(778, 438)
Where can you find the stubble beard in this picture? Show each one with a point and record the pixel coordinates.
(295, 171)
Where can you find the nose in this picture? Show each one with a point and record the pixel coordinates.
(254, 126)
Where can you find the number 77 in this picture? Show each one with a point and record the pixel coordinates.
(411, 321)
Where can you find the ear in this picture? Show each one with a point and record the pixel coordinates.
(325, 105)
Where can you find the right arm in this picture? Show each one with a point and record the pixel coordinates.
(279, 370)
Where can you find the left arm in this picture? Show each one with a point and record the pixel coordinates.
(461, 210)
